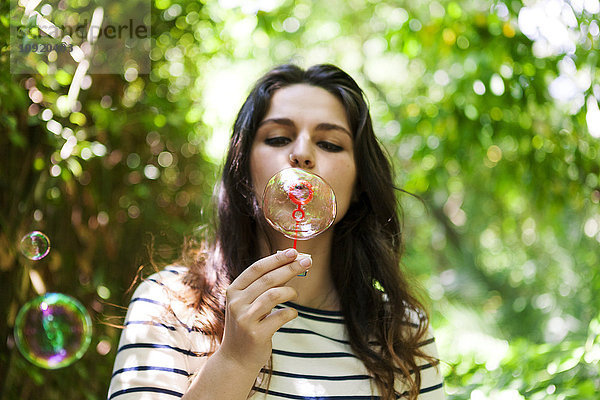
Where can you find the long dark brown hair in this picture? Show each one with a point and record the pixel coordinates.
(386, 323)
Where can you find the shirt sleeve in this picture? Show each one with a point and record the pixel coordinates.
(158, 352)
(432, 383)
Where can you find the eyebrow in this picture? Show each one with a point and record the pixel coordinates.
(323, 126)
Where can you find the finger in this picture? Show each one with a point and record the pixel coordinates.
(261, 267)
(265, 303)
(272, 322)
(278, 277)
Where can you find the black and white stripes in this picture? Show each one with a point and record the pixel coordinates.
(159, 352)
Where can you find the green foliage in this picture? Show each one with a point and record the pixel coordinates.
(507, 244)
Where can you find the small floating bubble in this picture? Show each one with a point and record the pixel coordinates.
(35, 245)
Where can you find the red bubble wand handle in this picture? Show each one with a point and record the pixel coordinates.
(300, 194)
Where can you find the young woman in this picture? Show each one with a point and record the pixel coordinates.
(235, 321)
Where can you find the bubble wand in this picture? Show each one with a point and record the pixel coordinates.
(299, 188)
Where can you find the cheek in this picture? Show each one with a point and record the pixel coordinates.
(344, 189)
(348, 185)
(261, 171)
(256, 175)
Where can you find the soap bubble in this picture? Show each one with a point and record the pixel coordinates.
(299, 204)
(35, 245)
(53, 331)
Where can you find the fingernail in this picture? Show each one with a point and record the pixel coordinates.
(291, 253)
(305, 262)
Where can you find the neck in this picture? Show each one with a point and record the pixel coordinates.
(316, 289)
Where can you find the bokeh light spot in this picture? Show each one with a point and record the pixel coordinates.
(478, 87)
(103, 292)
(103, 347)
(494, 153)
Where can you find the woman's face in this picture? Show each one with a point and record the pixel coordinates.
(306, 127)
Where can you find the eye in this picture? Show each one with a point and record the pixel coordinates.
(328, 146)
(278, 141)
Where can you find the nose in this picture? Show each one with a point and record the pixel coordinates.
(301, 155)
(300, 161)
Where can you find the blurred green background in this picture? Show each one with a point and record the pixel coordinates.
(489, 110)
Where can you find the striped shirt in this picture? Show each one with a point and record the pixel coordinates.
(159, 351)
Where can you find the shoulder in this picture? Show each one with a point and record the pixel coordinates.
(432, 383)
(161, 311)
(162, 296)
(159, 284)
(158, 349)
(419, 322)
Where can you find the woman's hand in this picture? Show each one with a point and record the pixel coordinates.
(249, 320)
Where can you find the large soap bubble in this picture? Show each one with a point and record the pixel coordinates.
(35, 245)
(299, 204)
(53, 331)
